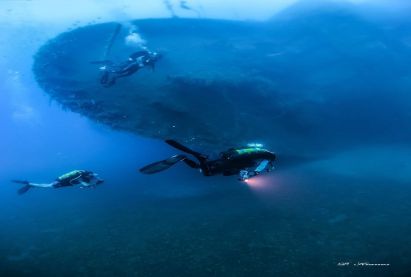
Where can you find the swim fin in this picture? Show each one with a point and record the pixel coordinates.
(183, 148)
(21, 182)
(24, 189)
(162, 165)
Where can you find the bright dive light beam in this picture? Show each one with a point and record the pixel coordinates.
(264, 184)
(257, 182)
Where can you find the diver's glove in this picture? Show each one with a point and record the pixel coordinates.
(245, 174)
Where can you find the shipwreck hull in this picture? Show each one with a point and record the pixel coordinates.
(293, 84)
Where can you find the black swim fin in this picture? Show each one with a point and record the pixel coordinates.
(162, 165)
(21, 182)
(177, 145)
(23, 189)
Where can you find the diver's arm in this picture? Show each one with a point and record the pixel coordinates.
(91, 181)
(263, 165)
(246, 174)
(85, 184)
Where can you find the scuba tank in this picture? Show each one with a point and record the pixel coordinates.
(235, 160)
(247, 153)
(71, 176)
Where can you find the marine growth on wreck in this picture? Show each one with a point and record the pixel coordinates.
(282, 81)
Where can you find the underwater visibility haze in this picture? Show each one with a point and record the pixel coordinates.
(324, 86)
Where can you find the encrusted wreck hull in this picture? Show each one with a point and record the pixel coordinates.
(288, 83)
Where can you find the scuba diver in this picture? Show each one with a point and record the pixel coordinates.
(140, 59)
(84, 178)
(246, 162)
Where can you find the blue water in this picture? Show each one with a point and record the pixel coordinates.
(321, 215)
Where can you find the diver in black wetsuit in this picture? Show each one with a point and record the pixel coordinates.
(245, 162)
(140, 59)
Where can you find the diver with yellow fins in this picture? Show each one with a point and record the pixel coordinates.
(245, 162)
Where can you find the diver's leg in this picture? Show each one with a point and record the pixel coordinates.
(128, 71)
(47, 185)
(121, 74)
(28, 185)
(191, 163)
(200, 157)
(125, 74)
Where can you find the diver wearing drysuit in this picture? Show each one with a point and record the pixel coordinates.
(84, 178)
(140, 59)
(245, 162)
